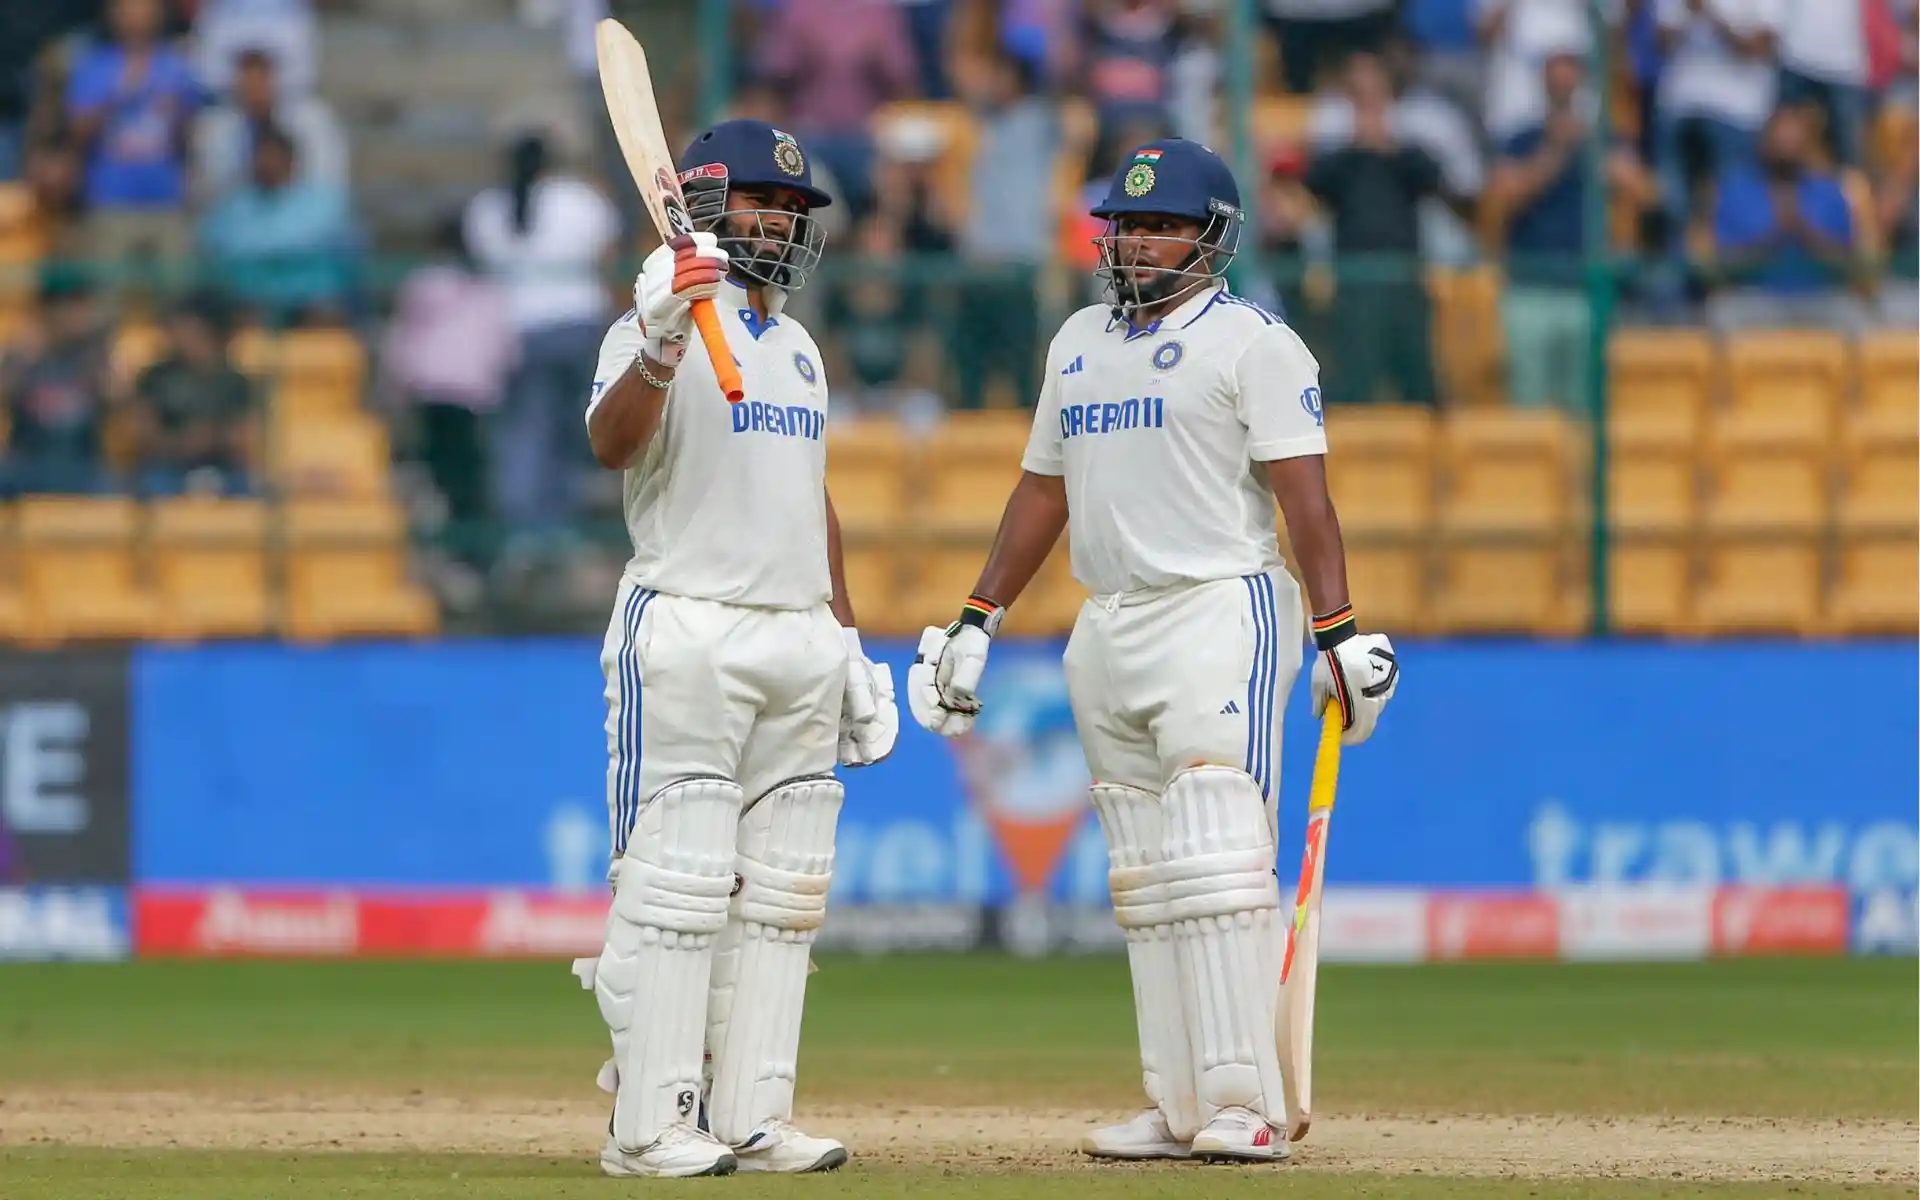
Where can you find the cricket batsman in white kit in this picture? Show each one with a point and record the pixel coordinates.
(735, 679)
(1170, 420)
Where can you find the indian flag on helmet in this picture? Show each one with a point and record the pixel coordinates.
(1146, 156)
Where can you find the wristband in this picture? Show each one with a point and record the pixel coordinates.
(1332, 628)
(981, 613)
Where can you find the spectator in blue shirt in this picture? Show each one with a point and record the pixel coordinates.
(282, 244)
(1539, 189)
(1784, 243)
(131, 101)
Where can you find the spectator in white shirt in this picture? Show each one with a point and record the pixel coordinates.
(1316, 36)
(544, 237)
(223, 137)
(285, 28)
(1823, 62)
(1716, 92)
(1520, 36)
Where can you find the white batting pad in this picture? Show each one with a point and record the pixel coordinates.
(1224, 902)
(669, 901)
(1136, 876)
(760, 975)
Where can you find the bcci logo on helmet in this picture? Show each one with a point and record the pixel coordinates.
(787, 156)
(1140, 180)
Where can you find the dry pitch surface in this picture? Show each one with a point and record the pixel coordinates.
(969, 1077)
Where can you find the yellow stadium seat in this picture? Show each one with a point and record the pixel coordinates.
(1889, 408)
(1651, 491)
(1878, 590)
(14, 614)
(209, 566)
(1468, 333)
(1767, 489)
(968, 467)
(1880, 490)
(959, 135)
(79, 573)
(1388, 584)
(873, 585)
(254, 352)
(346, 573)
(136, 346)
(1502, 587)
(939, 579)
(867, 475)
(343, 456)
(1380, 469)
(1660, 383)
(1751, 585)
(1507, 472)
(1649, 586)
(331, 355)
(1782, 387)
(1279, 122)
(300, 401)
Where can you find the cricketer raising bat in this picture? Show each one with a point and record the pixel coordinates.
(628, 88)
(1294, 1014)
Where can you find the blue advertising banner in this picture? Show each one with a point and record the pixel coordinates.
(477, 764)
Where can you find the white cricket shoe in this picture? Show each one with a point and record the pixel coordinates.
(679, 1152)
(1146, 1136)
(776, 1147)
(1239, 1135)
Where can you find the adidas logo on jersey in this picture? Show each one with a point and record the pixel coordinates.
(1230, 710)
(1078, 365)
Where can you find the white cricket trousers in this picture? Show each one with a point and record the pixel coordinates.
(1171, 678)
(697, 687)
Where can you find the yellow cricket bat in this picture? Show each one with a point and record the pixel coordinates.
(1293, 1016)
(628, 88)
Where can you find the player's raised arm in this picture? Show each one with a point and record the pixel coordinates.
(641, 352)
(1279, 389)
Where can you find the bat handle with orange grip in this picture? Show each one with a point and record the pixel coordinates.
(708, 321)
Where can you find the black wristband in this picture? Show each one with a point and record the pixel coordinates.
(982, 614)
(1332, 628)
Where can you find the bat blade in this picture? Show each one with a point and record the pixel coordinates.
(1300, 968)
(632, 105)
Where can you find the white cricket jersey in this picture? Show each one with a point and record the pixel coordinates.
(728, 502)
(1160, 433)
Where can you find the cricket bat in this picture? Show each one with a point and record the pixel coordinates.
(628, 88)
(1293, 1016)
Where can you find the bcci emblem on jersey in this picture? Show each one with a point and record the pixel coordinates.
(1167, 355)
(804, 365)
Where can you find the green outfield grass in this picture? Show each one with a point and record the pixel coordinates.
(1815, 1039)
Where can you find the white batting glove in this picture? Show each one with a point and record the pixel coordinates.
(943, 683)
(687, 268)
(869, 716)
(1357, 671)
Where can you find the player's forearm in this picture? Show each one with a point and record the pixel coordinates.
(841, 603)
(1300, 486)
(628, 416)
(1036, 514)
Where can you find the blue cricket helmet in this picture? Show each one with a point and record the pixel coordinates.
(1176, 178)
(769, 246)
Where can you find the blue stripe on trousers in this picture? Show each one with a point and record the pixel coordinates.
(627, 779)
(1262, 633)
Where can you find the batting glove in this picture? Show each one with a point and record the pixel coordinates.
(869, 716)
(943, 683)
(1357, 671)
(686, 269)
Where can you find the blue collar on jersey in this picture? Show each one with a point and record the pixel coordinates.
(1220, 295)
(754, 324)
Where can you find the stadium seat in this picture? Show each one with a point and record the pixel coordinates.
(209, 566)
(1767, 489)
(959, 135)
(938, 578)
(1660, 382)
(1650, 585)
(1380, 470)
(344, 455)
(1652, 490)
(968, 468)
(1760, 585)
(346, 573)
(300, 401)
(254, 352)
(1280, 122)
(1782, 387)
(873, 584)
(1880, 490)
(136, 346)
(1878, 590)
(1889, 407)
(1388, 584)
(867, 474)
(331, 355)
(1506, 472)
(1503, 588)
(1468, 333)
(79, 574)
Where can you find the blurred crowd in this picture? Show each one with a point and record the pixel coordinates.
(1757, 170)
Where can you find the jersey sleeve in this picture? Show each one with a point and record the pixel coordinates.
(617, 352)
(1277, 393)
(1043, 444)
